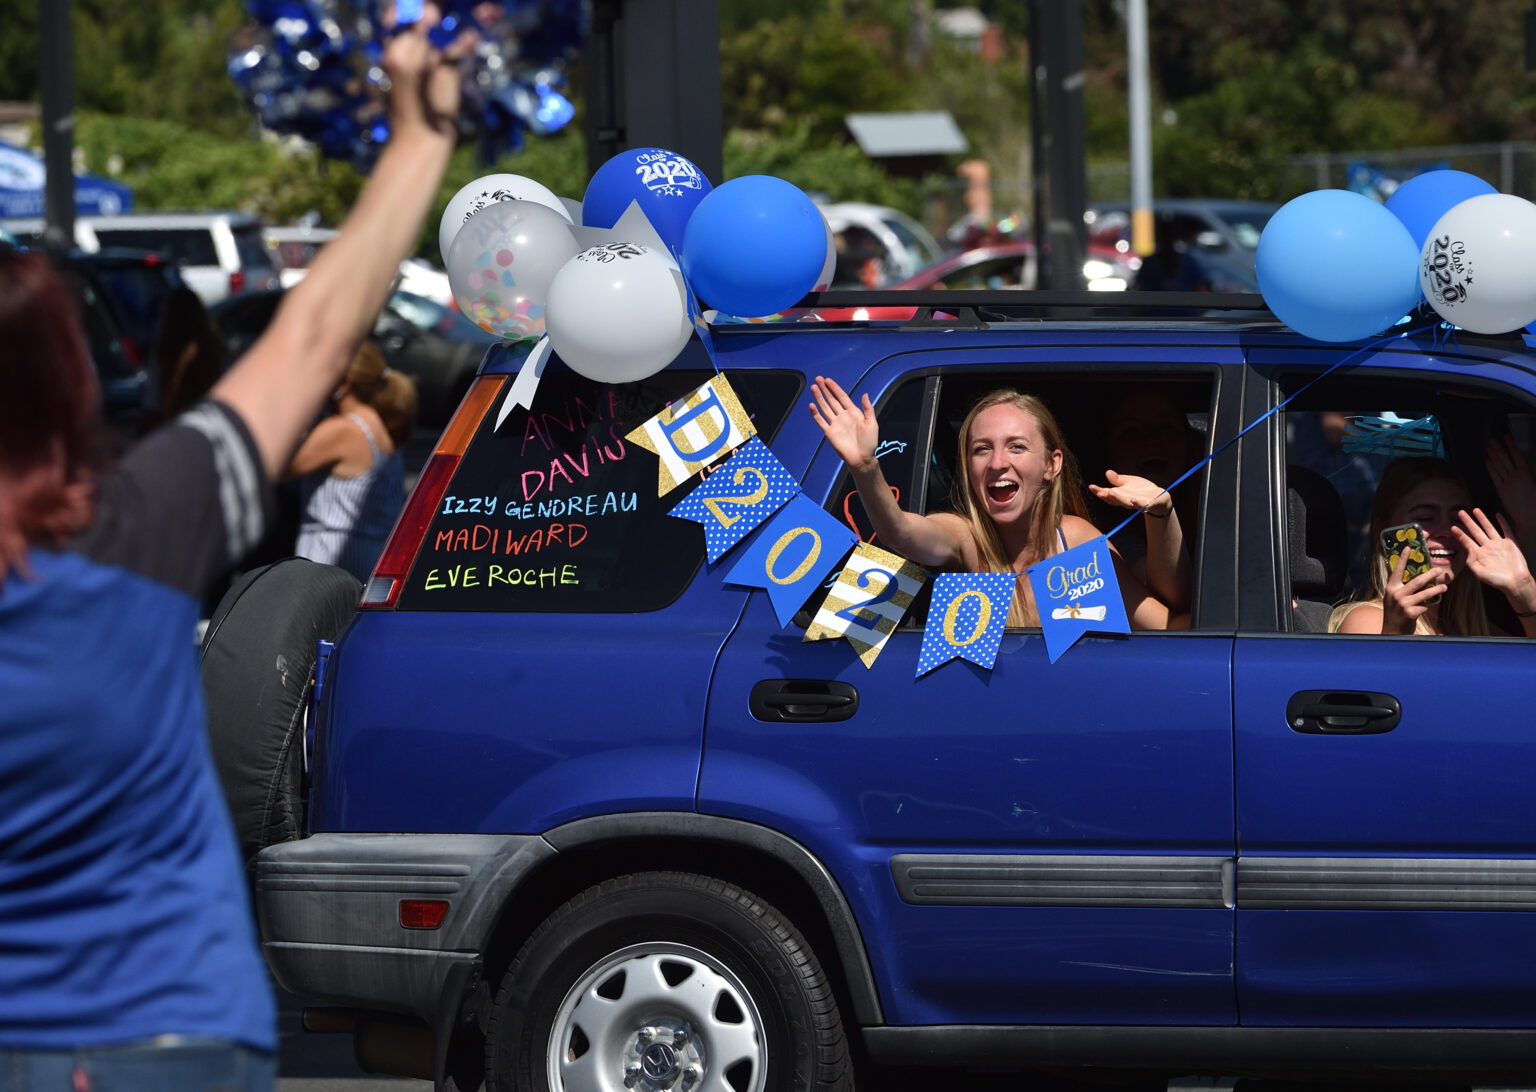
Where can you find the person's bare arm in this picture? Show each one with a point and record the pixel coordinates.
(1168, 570)
(282, 380)
(937, 541)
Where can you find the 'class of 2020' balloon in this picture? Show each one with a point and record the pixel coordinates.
(501, 262)
(666, 186)
(1476, 267)
(489, 190)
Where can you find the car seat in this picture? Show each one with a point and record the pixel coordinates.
(1318, 547)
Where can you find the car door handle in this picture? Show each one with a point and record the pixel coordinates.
(1342, 712)
(797, 701)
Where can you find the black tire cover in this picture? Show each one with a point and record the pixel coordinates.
(258, 664)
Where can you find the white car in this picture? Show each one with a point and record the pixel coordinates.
(220, 253)
(907, 246)
(293, 248)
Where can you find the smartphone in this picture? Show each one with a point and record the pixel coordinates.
(1393, 541)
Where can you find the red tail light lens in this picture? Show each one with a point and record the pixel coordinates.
(237, 281)
(411, 528)
(422, 913)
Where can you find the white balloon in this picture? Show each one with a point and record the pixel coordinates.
(618, 312)
(501, 262)
(1477, 269)
(487, 191)
(829, 266)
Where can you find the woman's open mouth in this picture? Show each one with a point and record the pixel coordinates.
(1002, 491)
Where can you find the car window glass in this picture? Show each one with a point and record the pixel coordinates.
(1006, 272)
(191, 246)
(1340, 441)
(250, 248)
(557, 511)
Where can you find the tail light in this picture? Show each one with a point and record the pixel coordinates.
(131, 350)
(411, 528)
(237, 281)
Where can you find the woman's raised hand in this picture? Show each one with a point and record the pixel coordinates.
(852, 430)
(1129, 491)
(1495, 558)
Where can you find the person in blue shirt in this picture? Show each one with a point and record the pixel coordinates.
(128, 957)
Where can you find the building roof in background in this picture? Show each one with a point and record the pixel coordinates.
(918, 132)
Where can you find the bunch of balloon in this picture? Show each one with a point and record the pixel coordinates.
(1336, 266)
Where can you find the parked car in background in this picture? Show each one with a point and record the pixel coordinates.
(293, 247)
(127, 391)
(1003, 265)
(1220, 237)
(437, 347)
(899, 244)
(220, 253)
(136, 284)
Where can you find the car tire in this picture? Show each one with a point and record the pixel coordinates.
(665, 971)
(258, 669)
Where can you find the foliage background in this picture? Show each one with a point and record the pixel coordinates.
(1237, 89)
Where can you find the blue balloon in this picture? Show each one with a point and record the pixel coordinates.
(755, 246)
(1426, 197)
(1336, 266)
(667, 187)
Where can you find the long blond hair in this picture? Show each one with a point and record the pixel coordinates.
(1062, 495)
(1462, 612)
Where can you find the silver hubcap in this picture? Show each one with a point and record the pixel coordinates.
(657, 1018)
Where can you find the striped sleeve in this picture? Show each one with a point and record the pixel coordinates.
(185, 504)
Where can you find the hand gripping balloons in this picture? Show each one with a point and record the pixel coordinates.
(501, 262)
(487, 191)
(666, 186)
(755, 246)
(1336, 266)
(1426, 197)
(1477, 266)
(618, 312)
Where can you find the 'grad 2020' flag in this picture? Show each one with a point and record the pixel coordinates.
(791, 555)
(746, 489)
(966, 618)
(1076, 593)
(872, 592)
(696, 430)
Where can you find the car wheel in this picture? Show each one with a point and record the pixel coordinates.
(258, 668)
(666, 982)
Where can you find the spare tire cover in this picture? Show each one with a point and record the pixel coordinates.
(258, 665)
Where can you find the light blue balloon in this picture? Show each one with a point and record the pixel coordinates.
(754, 246)
(1426, 197)
(1336, 266)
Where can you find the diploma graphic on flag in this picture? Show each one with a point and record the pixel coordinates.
(1087, 614)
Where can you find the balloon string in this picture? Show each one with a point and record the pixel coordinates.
(1308, 385)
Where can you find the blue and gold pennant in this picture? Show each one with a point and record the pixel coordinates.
(700, 428)
(738, 496)
(792, 554)
(966, 618)
(1076, 592)
(866, 603)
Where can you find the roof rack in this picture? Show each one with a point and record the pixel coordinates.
(978, 308)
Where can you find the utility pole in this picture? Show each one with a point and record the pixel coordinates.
(651, 78)
(1056, 110)
(1139, 101)
(56, 64)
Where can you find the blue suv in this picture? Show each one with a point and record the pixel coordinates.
(558, 808)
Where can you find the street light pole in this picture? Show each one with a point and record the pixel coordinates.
(56, 64)
(1139, 100)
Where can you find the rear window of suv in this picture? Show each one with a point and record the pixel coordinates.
(556, 511)
(188, 246)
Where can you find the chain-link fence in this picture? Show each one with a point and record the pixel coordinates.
(1509, 167)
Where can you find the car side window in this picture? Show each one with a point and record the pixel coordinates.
(556, 511)
(1152, 426)
(1361, 455)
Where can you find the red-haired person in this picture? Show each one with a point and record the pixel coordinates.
(128, 957)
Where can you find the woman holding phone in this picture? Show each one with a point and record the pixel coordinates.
(1434, 553)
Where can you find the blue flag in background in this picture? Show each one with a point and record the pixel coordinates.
(1076, 593)
(966, 618)
(794, 551)
(745, 490)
